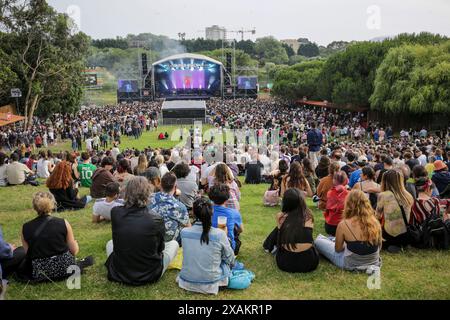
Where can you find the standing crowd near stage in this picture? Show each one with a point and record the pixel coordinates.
(175, 209)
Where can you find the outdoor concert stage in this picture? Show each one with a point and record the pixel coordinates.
(183, 112)
(187, 77)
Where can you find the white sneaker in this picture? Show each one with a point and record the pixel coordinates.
(3, 286)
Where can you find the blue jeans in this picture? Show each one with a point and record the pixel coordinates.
(326, 247)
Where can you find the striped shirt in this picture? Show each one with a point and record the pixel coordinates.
(423, 209)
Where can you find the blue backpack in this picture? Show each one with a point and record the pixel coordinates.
(240, 279)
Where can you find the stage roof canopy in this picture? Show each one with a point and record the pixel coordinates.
(188, 56)
(185, 104)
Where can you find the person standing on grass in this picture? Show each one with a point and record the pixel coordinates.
(292, 239)
(138, 254)
(315, 141)
(207, 254)
(358, 237)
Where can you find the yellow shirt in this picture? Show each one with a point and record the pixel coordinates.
(430, 169)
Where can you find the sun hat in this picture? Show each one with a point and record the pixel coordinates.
(439, 165)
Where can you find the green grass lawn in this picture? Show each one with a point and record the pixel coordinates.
(412, 274)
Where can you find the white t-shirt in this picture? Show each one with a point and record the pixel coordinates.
(42, 168)
(422, 160)
(115, 152)
(3, 180)
(163, 170)
(103, 208)
(133, 163)
(193, 174)
(89, 144)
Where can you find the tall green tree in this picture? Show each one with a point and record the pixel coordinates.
(49, 55)
(414, 79)
(269, 49)
(300, 80)
(248, 46)
(8, 78)
(348, 76)
(290, 52)
(309, 50)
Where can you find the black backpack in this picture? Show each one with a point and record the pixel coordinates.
(436, 234)
(433, 233)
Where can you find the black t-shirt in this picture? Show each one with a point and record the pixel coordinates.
(52, 240)
(412, 163)
(380, 175)
(253, 172)
(138, 237)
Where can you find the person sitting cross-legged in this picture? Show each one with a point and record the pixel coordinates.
(62, 186)
(102, 207)
(173, 212)
(207, 254)
(49, 243)
(358, 237)
(292, 240)
(137, 254)
(219, 194)
(10, 258)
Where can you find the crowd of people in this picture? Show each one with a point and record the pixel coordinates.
(377, 191)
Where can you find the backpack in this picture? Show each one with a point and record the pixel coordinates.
(240, 279)
(433, 233)
(271, 198)
(436, 234)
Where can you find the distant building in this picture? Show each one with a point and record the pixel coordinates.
(293, 43)
(216, 33)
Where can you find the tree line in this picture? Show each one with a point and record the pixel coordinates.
(409, 73)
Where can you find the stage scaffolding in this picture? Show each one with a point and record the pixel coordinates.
(230, 79)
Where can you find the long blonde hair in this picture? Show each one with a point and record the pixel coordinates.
(393, 181)
(142, 164)
(358, 207)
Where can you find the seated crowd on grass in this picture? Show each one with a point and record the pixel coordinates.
(373, 194)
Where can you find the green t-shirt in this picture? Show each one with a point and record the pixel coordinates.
(86, 171)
